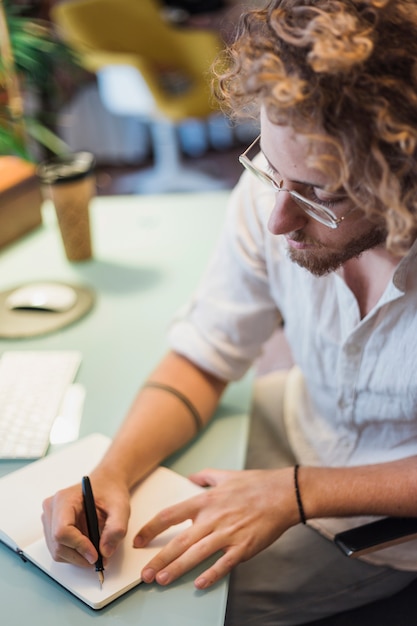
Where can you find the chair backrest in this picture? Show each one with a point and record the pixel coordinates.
(174, 62)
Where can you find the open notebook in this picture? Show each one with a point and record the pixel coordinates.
(21, 496)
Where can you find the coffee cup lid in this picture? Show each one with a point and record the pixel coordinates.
(66, 168)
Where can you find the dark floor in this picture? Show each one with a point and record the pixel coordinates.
(123, 179)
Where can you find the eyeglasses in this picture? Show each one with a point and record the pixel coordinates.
(313, 209)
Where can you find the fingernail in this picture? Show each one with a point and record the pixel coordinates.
(90, 558)
(148, 575)
(201, 583)
(138, 541)
(162, 578)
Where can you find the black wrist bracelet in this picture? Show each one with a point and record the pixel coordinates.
(196, 415)
(298, 496)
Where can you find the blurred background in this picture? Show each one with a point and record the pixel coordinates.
(129, 81)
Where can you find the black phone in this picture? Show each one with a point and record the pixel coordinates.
(388, 531)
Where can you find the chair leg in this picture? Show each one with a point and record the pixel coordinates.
(169, 173)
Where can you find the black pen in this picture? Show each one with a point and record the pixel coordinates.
(92, 524)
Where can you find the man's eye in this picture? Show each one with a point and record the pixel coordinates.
(328, 200)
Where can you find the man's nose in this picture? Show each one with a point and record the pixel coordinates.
(286, 215)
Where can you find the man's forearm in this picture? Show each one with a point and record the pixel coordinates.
(158, 422)
(380, 489)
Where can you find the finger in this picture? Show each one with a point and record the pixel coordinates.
(64, 539)
(81, 553)
(221, 568)
(210, 477)
(166, 518)
(180, 555)
(115, 528)
(69, 545)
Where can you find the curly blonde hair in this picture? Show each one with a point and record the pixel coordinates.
(345, 73)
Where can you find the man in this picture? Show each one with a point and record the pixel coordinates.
(323, 239)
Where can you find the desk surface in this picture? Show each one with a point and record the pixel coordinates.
(149, 252)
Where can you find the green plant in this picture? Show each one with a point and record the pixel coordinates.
(31, 60)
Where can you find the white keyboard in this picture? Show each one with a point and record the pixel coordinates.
(32, 387)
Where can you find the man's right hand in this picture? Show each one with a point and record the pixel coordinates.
(65, 526)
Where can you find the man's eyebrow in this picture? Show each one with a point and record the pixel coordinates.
(297, 182)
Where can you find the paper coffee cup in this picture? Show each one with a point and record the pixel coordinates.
(71, 186)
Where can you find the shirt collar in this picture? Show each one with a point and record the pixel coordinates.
(399, 278)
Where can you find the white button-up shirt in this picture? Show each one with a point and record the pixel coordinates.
(353, 396)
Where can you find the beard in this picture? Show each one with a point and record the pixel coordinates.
(321, 261)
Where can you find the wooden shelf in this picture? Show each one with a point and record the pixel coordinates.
(20, 199)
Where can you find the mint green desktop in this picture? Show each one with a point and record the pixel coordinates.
(149, 252)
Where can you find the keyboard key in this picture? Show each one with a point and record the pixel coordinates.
(33, 385)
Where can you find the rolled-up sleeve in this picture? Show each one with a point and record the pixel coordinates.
(231, 314)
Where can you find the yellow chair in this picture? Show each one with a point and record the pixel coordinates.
(173, 63)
